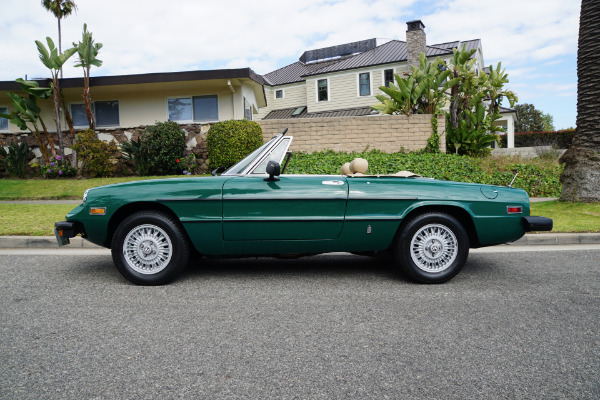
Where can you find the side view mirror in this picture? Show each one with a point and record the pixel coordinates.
(274, 170)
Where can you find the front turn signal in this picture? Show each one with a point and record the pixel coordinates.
(97, 210)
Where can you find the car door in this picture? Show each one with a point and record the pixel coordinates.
(295, 207)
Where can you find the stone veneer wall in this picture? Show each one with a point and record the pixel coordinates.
(195, 141)
(389, 133)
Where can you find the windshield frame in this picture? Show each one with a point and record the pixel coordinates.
(250, 162)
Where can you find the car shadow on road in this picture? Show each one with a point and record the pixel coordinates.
(100, 269)
(321, 265)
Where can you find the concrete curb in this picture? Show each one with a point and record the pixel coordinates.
(42, 242)
(532, 239)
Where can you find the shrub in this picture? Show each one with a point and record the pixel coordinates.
(559, 139)
(165, 142)
(228, 142)
(137, 153)
(58, 168)
(187, 165)
(96, 156)
(15, 158)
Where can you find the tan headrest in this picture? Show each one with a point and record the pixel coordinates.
(346, 169)
(359, 165)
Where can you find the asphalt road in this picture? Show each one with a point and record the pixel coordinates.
(518, 325)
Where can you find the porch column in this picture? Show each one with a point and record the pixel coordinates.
(510, 132)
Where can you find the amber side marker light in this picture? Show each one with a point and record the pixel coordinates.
(98, 211)
(514, 209)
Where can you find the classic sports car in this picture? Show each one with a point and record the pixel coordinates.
(252, 209)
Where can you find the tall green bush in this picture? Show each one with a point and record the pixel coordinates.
(137, 153)
(95, 155)
(165, 143)
(228, 142)
(15, 158)
(559, 139)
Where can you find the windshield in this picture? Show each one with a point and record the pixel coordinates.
(245, 163)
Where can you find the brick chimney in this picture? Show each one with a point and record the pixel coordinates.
(415, 41)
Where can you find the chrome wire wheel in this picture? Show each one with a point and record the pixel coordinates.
(147, 249)
(433, 248)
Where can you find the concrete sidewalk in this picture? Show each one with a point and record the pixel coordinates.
(531, 239)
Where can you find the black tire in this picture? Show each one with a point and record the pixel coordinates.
(431, 248)
(150, 248)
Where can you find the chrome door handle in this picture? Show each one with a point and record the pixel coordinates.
(333, 183)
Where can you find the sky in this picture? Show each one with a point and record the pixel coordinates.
(536, 40)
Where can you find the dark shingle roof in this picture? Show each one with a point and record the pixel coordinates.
(348, 112)
(390, 52)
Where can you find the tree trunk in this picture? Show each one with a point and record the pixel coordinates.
(59, 45)
(581, 177)
(87, 99)
(56, 93)
(48, 138)
(68, 118)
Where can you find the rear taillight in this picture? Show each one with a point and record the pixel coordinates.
(514, 209)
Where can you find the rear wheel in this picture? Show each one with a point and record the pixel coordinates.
(150, 248)
(432, 248)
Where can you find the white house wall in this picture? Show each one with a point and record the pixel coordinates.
(294, 95)
(344, 89)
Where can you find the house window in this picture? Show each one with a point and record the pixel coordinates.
(78, 114)
(3, 121)
(196, 108)
(180, 109)
(247, 110)
(206, 108)
(105, 112)
(322, 90)
(279, 94)
(364, 84)
(388, 77)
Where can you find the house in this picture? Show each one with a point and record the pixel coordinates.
(336, 81)
(343, 80)
(143, 99)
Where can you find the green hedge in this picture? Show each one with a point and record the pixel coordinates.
(228, 142)
(537, 181)
(559, 139)
(165, 143)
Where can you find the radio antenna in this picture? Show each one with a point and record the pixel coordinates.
(513, 180)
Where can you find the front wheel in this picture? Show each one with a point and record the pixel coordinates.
(150, 248)
(432, 248)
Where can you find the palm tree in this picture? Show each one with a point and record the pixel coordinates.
(54, 61)
(581, 177)
(60, 9)
(88, 52)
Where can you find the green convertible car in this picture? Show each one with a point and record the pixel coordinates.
(254, 209)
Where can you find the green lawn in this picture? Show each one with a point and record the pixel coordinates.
(31, 219)
(39, 219)
(57, 189)
(570, 217)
